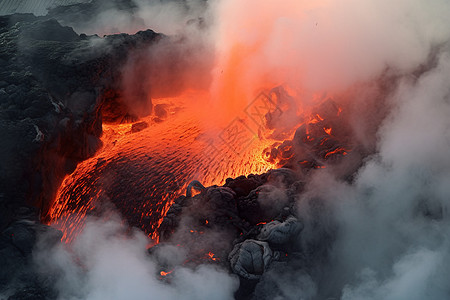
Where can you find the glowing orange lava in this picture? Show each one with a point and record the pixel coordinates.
(144, 166)
(162, 273)
(211, 256)
(142, 172)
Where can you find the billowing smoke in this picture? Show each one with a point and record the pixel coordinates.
(389, 221)
(393, 219)
(321, 46)
(181, 60)
(107, 262)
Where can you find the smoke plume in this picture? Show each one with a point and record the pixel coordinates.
(390, 220)
(107, 262)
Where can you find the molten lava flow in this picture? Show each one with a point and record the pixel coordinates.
(336, 151)
(144, 166)
(141, 173)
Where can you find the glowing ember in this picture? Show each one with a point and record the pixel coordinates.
(339, 150)
(211, 256)
(162, 273)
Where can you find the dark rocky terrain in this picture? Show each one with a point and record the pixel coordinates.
(55, 88)
(257, 227)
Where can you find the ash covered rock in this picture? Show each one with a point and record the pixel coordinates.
(232, 223)
(250, 258)
(279, 233)
(271, 198)
(230, 206)
(210, 219)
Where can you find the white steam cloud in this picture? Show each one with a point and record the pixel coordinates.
(325, 45)
(394, 219)
(391, 222)
(106, 263)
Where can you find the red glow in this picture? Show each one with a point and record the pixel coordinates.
(162, 273)
(183, 151)
(211, 256)
(339, 150)
(190, 144)
(188, 155)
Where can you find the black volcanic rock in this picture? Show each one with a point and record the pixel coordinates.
(52, 86)
(17, 241)
(252, 244)
(50, 30)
